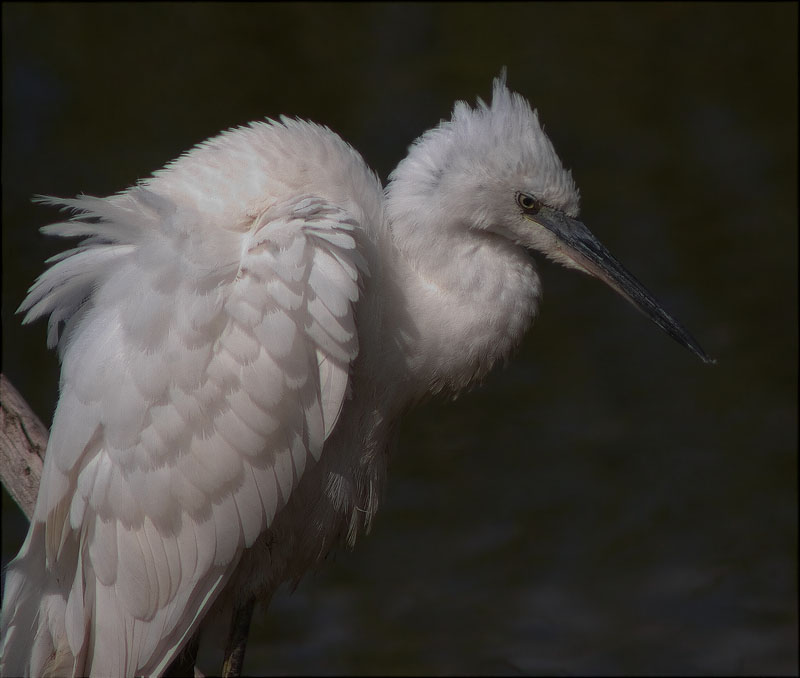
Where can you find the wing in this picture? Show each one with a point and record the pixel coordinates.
(203, 369)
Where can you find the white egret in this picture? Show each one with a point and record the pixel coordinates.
(239, 334)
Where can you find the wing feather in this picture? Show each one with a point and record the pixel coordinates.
(249, 507)
(228, 531)
(195, 396)
(103, 551)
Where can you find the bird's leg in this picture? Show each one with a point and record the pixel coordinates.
(237, 639)
(183, 664)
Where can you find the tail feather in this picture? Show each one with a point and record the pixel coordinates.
(33, 616)
(40, 604)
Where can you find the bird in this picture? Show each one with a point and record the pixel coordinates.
(239, 335)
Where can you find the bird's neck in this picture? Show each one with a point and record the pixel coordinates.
(466, 298)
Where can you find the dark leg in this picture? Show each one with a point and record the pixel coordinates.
(237, 640)
(183, 664)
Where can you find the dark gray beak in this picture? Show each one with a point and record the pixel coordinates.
(589, 254)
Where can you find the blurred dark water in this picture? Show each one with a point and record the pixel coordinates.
(605, 504)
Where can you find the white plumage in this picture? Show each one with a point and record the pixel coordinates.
(238, 334)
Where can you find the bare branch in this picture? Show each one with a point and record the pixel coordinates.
(23, 441)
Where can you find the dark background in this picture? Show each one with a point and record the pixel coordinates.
(605, 504)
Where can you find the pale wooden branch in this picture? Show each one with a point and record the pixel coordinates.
(23, 441)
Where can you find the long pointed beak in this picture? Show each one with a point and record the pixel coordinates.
(588, 254)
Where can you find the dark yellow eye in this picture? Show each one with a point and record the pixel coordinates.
(528, 203)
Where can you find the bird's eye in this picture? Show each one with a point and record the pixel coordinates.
(528, 203)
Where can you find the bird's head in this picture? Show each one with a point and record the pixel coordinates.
(492, 169)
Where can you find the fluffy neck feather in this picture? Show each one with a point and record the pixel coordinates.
(468, 296)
